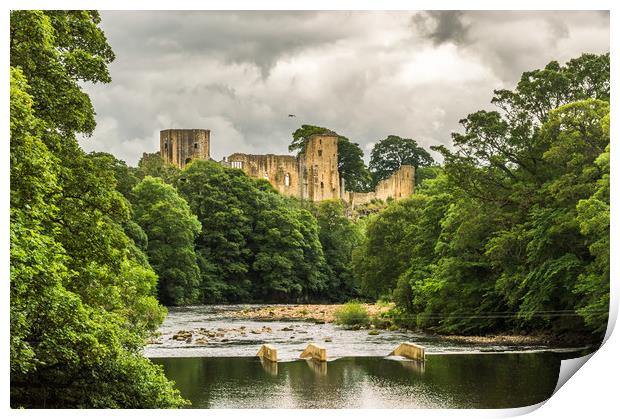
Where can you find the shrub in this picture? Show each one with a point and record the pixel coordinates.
(352, 313)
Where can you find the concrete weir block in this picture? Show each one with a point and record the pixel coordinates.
(315, 352)
(409, 350)
(268, 352)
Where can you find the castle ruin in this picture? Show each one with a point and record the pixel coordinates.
(180, 146)
(312, 175)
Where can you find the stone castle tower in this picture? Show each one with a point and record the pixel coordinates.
(313, 175)
(318, 166)
(180, 146)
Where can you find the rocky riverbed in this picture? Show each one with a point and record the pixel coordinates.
(309, 312)
(225, 331)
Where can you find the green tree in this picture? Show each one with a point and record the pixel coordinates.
(387, 249)
(220, 200)
(288, 260)
(338, 236)
(125, 176)
(303, 134)
(151, 164)
(513, 233)
(593, 284)
(351, 166)
(81, 295)
(255, 244)
(171, 229)
(390, 154)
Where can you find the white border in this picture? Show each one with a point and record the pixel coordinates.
(594, 389)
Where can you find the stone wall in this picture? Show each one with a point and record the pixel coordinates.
(398, 186)
(281, 171)
(313, 175)
(319, 168)
(180, 146)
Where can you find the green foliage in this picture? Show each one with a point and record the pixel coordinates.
(390, 154)
(338, 236)
(255, 244)
(55, 51)
(126, 177)
(357, 177)
(171, 229)
(81, 290)
(593, 217)
(513, 232)
(151, 164)
(392, 238)
(352, 314)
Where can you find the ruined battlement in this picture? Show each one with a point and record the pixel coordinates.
(400, 184)
(281, 171)
(313, 175)
(180, 146)
(318, 165)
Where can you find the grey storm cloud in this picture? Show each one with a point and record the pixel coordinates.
(365, 75)
(441, 25)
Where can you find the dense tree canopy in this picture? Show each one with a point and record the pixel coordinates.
(171, 228)
(256, 245)
(514, 234)
(338, 236)
(151, 164)
(81, 291)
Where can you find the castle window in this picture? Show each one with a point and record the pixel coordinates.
(320, 141)
(320, 153)
(195, 145)
(287, 180)
(165, 146)
(321, 185)
(237, 164)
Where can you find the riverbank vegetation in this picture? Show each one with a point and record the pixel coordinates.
(509, 234)
(82, 291)
(513, 231)
(352, 314)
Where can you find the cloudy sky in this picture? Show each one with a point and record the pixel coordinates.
(365, 75)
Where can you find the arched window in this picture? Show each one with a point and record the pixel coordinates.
(321, 185)
(287, 180)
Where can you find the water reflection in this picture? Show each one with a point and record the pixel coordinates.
(319, 368)
(270, 367)
(443, 381)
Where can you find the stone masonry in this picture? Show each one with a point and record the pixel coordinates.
(281, 171)
(400, 185)
(180, 146)
(313, 175)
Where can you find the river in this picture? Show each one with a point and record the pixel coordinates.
(221, 370)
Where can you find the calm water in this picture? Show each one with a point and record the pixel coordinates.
(443, 381)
